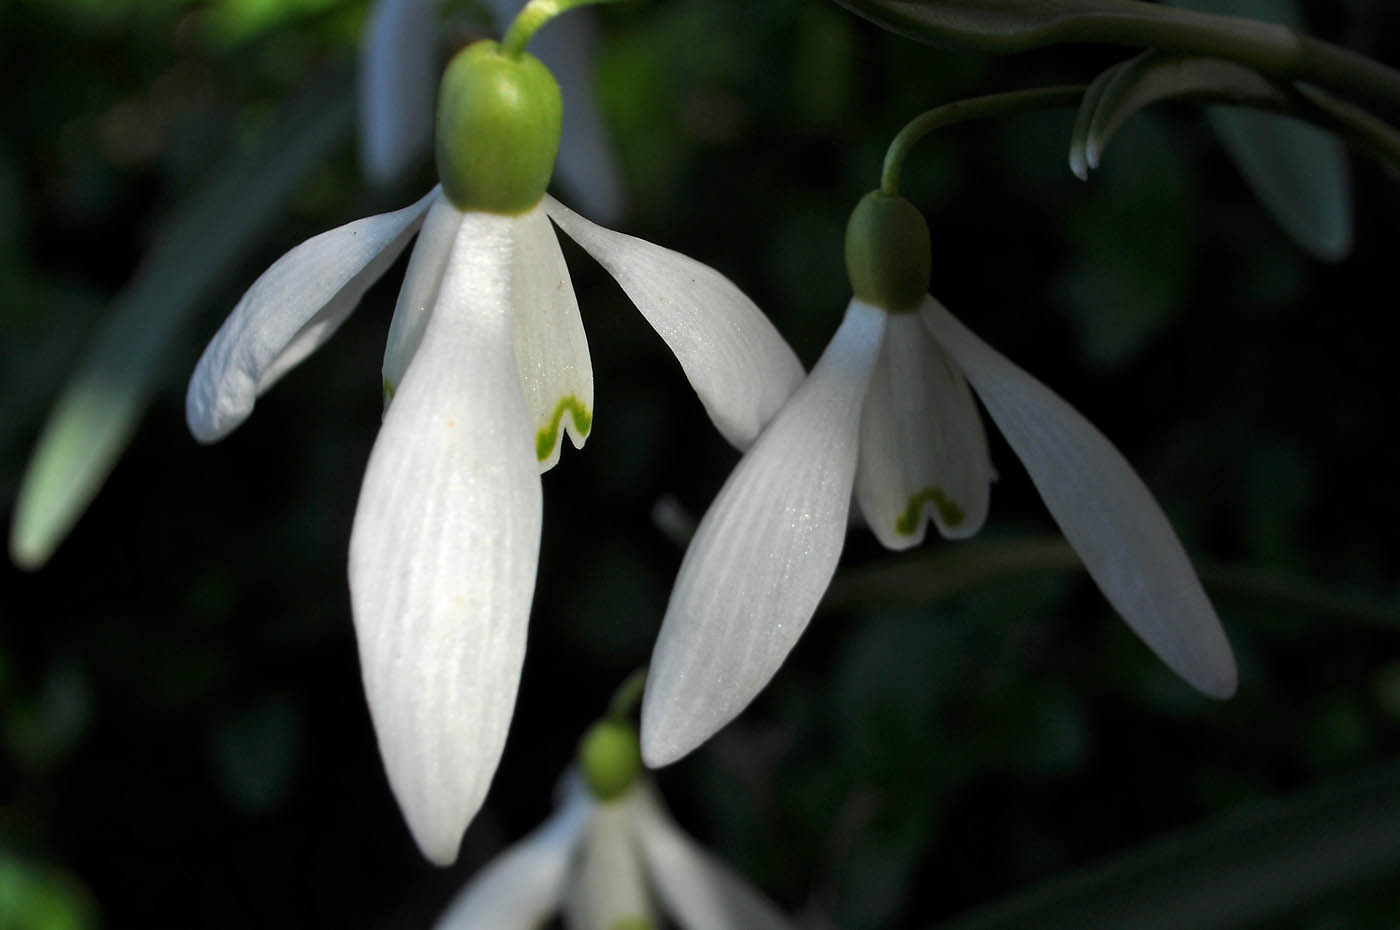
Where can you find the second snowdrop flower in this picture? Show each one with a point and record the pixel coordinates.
(486, 368)
(887, 411)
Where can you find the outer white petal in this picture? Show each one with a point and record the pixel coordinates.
(697, 890)
(607, 886)
(520, 888)
(288, 312)
(550, 345)
(737, 362)
(444, 549)
(1104, 509)
(923, 454)
(422, 283)
(763, 554)
(398, 80)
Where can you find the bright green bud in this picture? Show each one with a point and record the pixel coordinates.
(888, 254)
(498, 127)
(611, 758)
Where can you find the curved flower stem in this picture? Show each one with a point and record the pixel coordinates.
(962, 111)
(534, 15)
(628, 695)
(1005, 26)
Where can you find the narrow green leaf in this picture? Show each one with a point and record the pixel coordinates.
(1238, 871)
(1297, 171)
(99, 408)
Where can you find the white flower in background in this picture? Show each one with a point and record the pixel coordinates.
(398, 77)
(887, 411)
(486, 366)
(606, 865)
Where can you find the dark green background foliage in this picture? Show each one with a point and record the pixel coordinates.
(183, 738)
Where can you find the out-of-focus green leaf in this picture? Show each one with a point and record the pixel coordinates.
(255, 753)
(33, 898)
(98, 411)
(1260, 864)
(1298, 171)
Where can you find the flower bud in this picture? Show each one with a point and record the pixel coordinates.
(611, 758)
(888, 253)
(498, 126)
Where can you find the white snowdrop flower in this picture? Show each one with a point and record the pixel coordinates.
(397, 80)
(887, 411)
(609, 861)
(486, 367)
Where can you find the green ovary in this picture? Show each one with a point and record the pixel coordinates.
(908, 523)
(548, 437)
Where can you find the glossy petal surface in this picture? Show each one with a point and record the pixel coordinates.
(739, 365)
(422, 283)
(295, 306)
(1105, 511)
(444, 549)
(763, 554)
(607, 887)
(923, 455)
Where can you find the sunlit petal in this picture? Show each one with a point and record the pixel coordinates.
(421, 284)
(398, 78)
(607, 887)
(550, 345)
(288, 312)
(763, 554)
(737, 362)
(696, 889)
(923, 454)
(444, 549)
(1103, 508)
(520, 888)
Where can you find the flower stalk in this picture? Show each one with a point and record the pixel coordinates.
(532, 18)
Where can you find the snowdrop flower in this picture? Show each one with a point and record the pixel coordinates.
(398, 70)
(486, 367)
(888, 411)
(603, 858)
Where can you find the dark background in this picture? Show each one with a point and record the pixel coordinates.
(183, 737)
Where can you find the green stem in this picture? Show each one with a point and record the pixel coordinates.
(534, 15)
(963, 111)
(1277, 51)
(628, 695)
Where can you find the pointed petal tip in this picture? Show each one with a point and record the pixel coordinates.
(663, 746)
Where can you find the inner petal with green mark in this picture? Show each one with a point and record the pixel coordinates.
(581, 420)
(913, 516)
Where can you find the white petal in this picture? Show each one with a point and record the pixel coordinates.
(288, 312)
(398, 83)
(697, 890)
(444, 549)
(607, 886)
(737, 362)
(923, 454)
(550, 345)
(1103, 508)
(763, 554)
(422, 283)
(520, 888)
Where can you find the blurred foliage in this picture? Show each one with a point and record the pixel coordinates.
(182, 730)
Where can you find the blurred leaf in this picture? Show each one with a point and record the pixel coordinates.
(1134, 248)
(1244, 868)
(33, 898)
(98, 411)
(41, 731)
(255, 753)
(1298, 171)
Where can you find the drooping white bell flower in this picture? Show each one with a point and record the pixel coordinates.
(606, 861)
(887, 411)
(398, 77)
(486, 367)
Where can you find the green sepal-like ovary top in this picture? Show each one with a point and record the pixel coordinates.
(498, 126)
(610, 756)
(889, 256)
